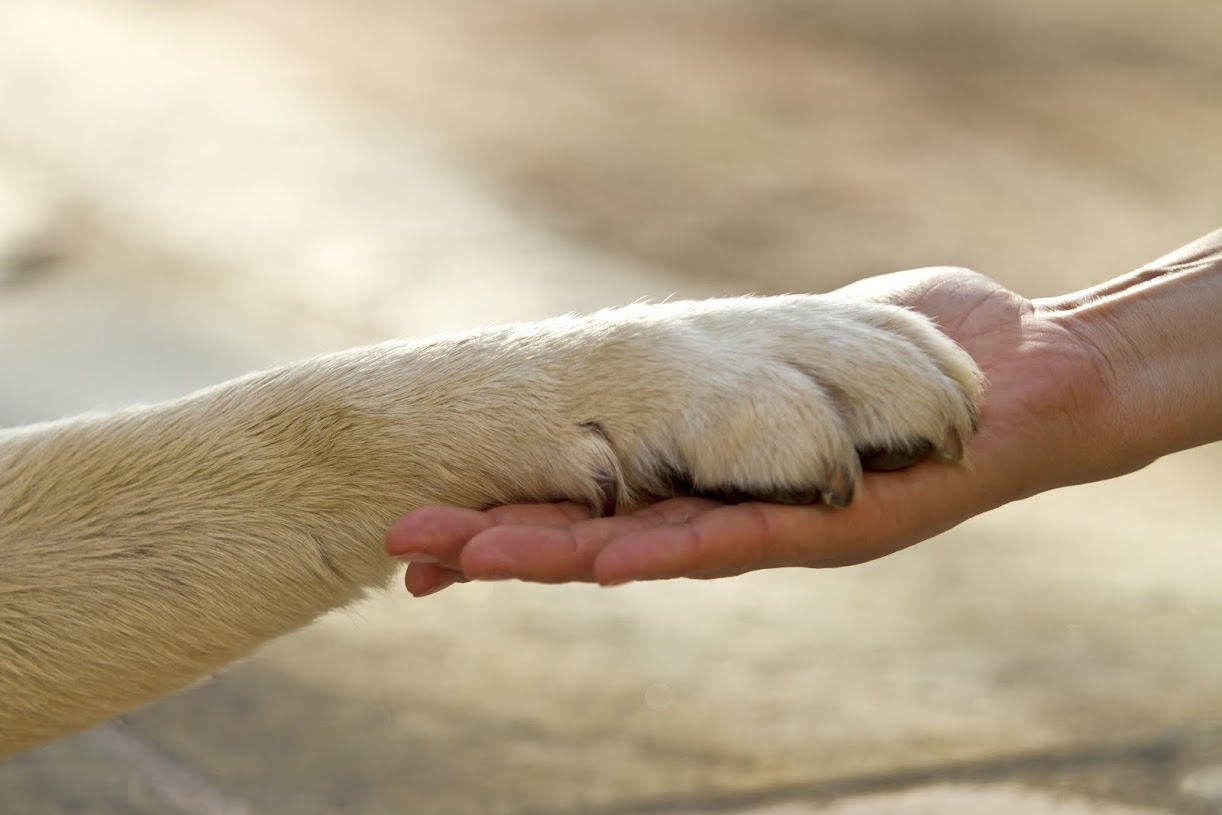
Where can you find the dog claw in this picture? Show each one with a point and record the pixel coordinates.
(608, 494)
(951, 448)
(839, 490)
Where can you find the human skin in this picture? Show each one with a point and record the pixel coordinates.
(1082, 387)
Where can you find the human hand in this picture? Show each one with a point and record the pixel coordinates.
(1040, 422)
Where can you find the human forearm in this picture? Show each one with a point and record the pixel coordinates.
(1158, 336)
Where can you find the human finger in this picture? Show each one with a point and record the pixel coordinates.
(724, 541)
(563, 552)
(436, 535)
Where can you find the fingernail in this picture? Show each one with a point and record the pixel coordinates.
(417, 557)
(445, 584)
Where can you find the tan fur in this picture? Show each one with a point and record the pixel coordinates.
(143, 549)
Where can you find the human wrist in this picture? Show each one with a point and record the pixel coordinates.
(1156, 343)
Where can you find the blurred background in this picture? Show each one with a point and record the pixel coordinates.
(191, 190)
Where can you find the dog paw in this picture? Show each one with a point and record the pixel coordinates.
(783, 399)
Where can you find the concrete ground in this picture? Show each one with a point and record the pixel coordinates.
(191, 191)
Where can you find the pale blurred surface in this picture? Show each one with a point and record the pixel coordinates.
(191, 190)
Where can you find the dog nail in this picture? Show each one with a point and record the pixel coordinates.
(952, 446)
(839, 489)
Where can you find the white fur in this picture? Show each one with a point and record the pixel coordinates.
(142, 549)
